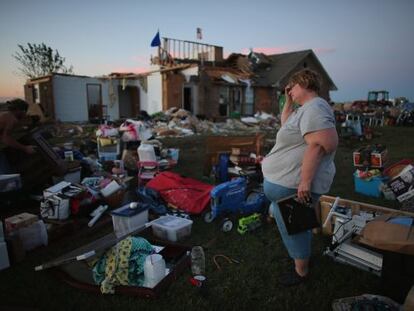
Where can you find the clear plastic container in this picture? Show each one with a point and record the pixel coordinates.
(198, 262)
(171, 228)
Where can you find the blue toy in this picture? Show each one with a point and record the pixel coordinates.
(230, 198)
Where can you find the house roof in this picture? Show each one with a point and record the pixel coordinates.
(226, 74)
(272, 69)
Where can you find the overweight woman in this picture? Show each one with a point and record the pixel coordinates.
(302, 162)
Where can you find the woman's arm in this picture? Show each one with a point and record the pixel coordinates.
(318, 143)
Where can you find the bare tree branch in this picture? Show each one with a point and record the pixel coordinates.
(38, 60)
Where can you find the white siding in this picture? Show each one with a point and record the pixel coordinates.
(154, 97)
(69, 94)
(70, 97)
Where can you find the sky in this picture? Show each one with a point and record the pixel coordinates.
(363, 44)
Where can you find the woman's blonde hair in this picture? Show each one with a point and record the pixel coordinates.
(307, 79)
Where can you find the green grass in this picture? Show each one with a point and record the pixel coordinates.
(250, 285)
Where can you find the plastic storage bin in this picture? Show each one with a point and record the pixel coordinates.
(126, 220)
(370, 187)
(109, 152)
(10, 182)
(171, 228)
(4, 256)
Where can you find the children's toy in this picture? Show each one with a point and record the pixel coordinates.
(230, 198)
(249, 223)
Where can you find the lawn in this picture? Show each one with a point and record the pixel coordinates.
(250, 285)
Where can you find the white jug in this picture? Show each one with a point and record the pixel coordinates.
(146, 153)
(154, 270)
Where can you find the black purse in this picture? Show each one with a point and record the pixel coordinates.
(297, 216)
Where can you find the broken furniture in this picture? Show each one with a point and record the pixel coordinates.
(215, 145)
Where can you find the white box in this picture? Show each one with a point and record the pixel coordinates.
(55, 207)
(111, 188)
(56, 189)
(4, 256)
(126, 220)
(171, 228)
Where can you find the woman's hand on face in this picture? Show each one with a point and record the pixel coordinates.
(288, 100)
(304, 191)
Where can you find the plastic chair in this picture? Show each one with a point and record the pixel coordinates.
(147, 170)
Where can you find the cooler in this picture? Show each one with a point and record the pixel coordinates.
(369, 187)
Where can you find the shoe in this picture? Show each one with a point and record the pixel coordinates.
(292, 278)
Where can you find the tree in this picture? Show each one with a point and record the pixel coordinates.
(38, 60)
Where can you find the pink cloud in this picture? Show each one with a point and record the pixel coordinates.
(131, 69)
(140, 59)
(269, 50)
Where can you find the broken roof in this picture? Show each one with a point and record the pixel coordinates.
(226, 74)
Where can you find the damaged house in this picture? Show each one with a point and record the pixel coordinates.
(185, 74)
(81, 98)
(195, 77)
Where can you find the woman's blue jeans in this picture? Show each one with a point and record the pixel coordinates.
(298, 245)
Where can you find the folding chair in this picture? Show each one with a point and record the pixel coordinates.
(147, 170)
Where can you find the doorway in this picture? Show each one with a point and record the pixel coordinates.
(128, 99)
(94, 98)
(188, 99)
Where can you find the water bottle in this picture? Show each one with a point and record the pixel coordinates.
(198, 263)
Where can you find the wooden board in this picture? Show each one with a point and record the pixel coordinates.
(224, 144)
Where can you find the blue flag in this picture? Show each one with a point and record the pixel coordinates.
(156, 41)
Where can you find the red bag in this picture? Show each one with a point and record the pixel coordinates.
(187, 194)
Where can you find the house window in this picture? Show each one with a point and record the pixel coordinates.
(248, 108)
(237, 100)
(94, 97)
(224, 99)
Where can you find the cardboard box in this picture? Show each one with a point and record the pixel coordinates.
(19, 221)
(384, 234)
(403, 184)
(370, 156)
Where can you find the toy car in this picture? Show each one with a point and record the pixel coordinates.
(230, 198)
